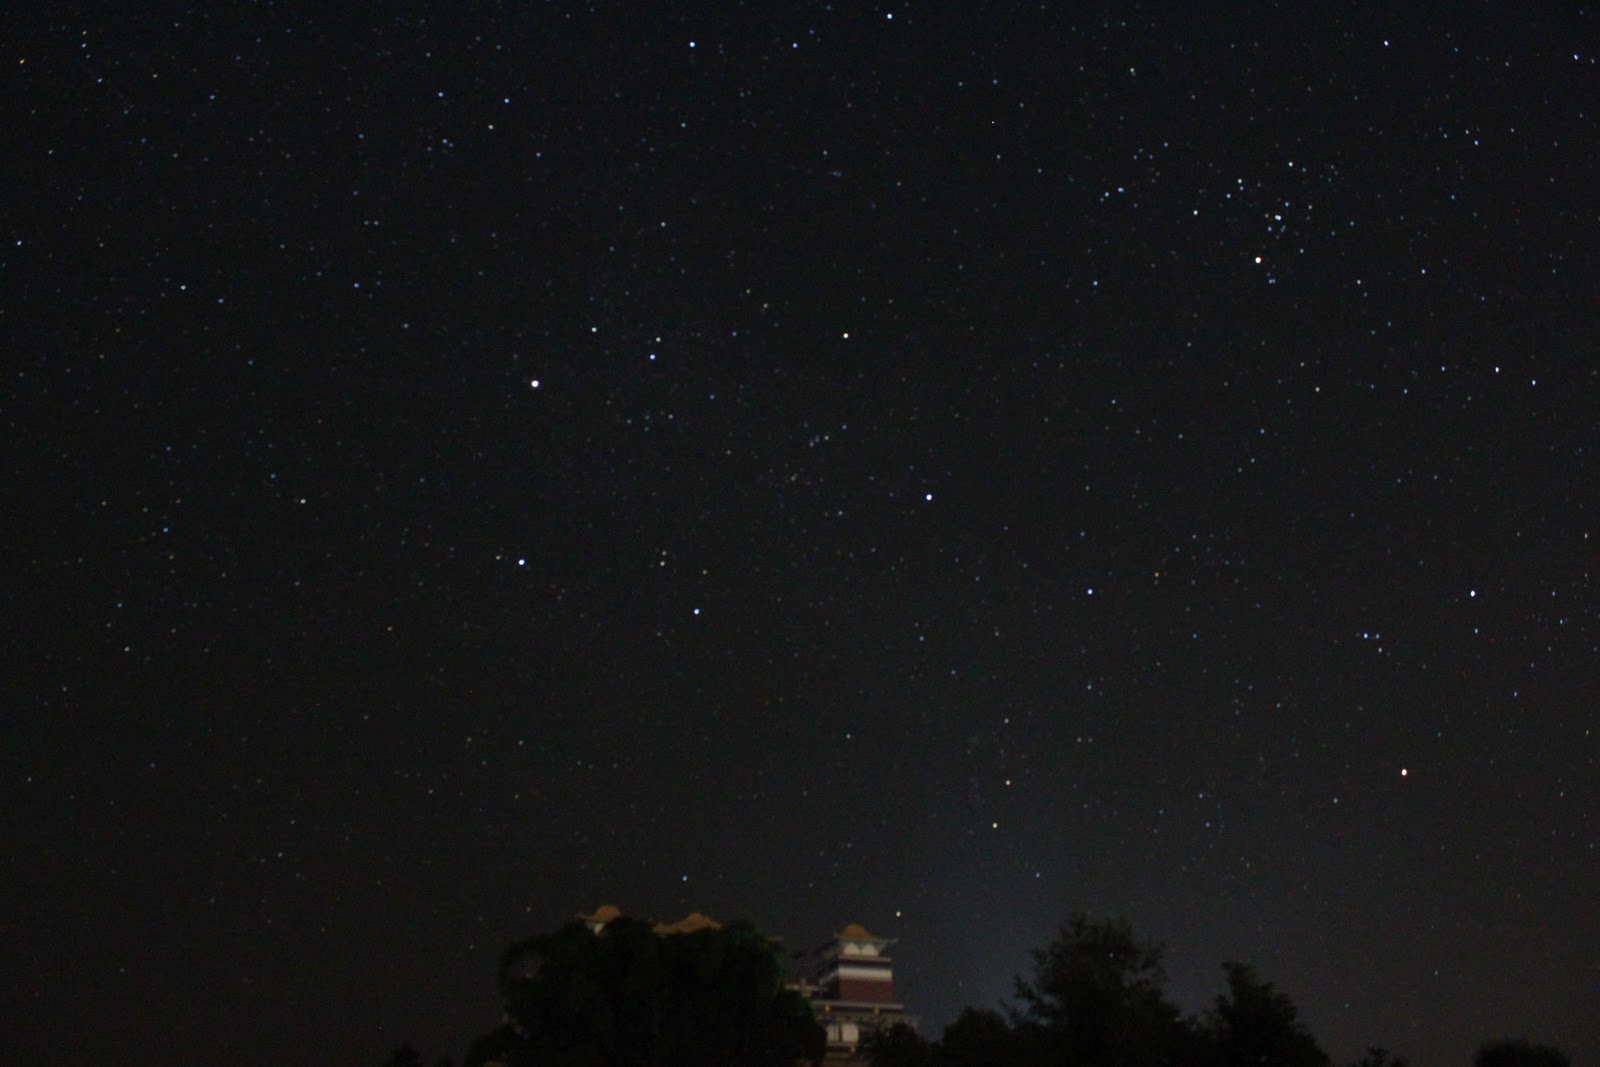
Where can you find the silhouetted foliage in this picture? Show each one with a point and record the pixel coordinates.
(1096, 999)
(499, 1045)
(406, 1056)
(898, 1046)
(716, 997)
(1520, 1053)
(1254, 1024)
(980, 1038)
(628, 997)
(1380, 1057)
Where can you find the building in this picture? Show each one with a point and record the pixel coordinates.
(852, 988)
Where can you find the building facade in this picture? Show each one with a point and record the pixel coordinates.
(851, 986)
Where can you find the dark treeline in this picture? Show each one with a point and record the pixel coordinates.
(717, 996)
(628, 996)
(1097, 998)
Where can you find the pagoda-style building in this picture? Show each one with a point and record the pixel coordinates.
(853, 991)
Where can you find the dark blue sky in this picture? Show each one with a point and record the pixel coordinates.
(934, 470)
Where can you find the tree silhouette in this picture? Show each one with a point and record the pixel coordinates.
(627, 996)
(1254, 1025)
(1096, 999)
(1519, 1053)
(404, 1056)
(898, 1046)
(980, 1038)
(1379, 1057)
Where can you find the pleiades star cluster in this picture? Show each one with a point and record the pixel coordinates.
(936, 466)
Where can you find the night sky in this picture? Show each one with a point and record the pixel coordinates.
(814, 463)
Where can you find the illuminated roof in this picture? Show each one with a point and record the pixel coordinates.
(853, 938)
(605, 913)
(688, 924)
